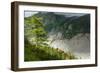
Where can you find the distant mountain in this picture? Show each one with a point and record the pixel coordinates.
(68, 26)
(51, 20)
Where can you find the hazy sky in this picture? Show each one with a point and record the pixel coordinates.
(30, 13)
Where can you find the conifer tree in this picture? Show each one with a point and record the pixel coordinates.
(37, 30)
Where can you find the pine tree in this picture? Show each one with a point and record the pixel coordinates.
(37, 30)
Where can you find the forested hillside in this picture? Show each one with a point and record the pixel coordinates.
(40, 27)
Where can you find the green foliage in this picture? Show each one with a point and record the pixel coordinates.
(37, 30)
(38, 49)
(45, 52)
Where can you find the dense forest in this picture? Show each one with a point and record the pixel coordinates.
(40, 26)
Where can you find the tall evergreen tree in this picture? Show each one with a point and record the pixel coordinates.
(37, 30)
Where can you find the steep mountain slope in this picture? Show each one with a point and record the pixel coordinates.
(66, 25)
